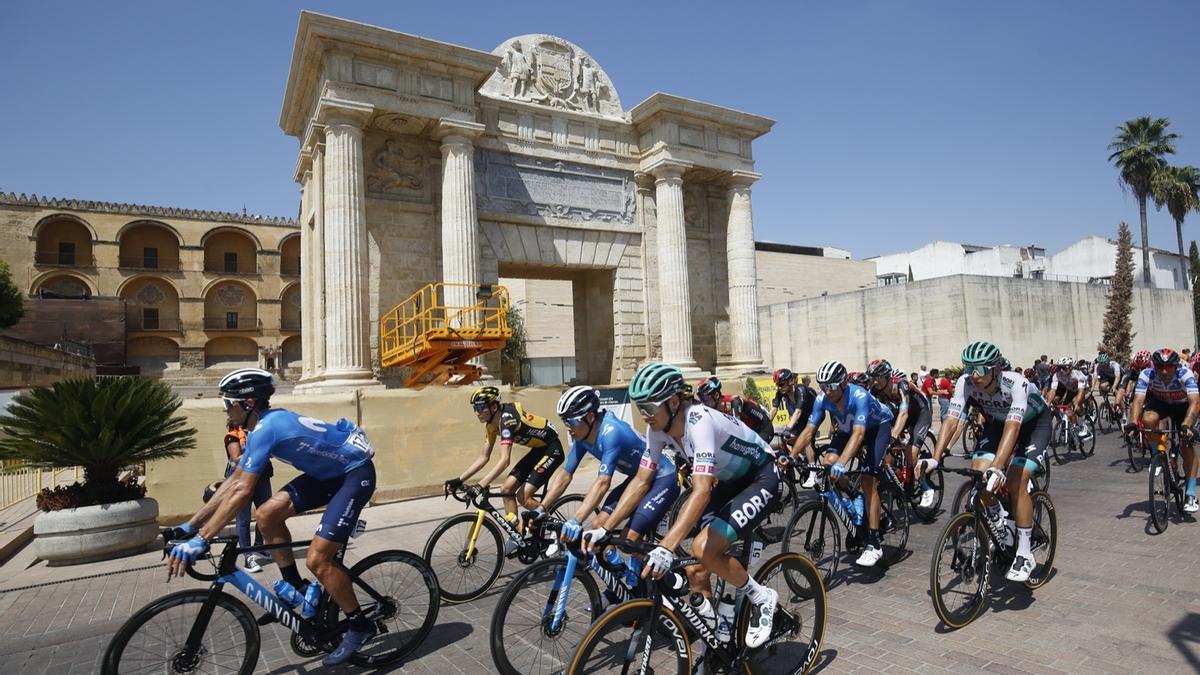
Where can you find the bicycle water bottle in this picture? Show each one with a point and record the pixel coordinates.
(725, 617)
(677, 584)
(633, 571)
(704, 608)
(306, 603)
(857, 513)
(613, 558)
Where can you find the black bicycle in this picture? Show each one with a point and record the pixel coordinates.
(210, 631)
(970, 545)
(655, 634)
(1166, 480)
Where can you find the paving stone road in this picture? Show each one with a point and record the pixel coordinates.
(1121, 600)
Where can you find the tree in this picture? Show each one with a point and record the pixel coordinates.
(1138, 150)
(751, 389)
(1118, 326)
(12, 303)
(514, 349)
(1194, 274)
(1177, 188)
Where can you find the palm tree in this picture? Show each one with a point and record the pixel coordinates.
(1138, 150)
(1177, 188)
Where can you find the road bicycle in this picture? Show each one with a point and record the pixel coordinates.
(972, 431)
(1166, 479)
(1109, 415)
(211, 631)
(467, 550)
(655, 634)
(1137, 447)
(903, 477)
(549, 607)
(1040, 480)
(815, 529)
(971, 546)
(1063, 435)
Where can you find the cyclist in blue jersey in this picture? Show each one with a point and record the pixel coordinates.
(337, 471)
(619, 448)
(859, 418)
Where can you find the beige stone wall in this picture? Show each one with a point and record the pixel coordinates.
(547, 306)
(929, 322)
(421, 438)
(784, 277)
(23, 364)
(190, 268)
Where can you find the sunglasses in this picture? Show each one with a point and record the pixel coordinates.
(480, 407)
(230, 402)
(649, 408)
(829, 386)
(573, 421)
(977, 370)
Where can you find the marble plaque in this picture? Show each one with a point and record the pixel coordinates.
(550, 188)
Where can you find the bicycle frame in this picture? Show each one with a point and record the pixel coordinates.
(483, 509)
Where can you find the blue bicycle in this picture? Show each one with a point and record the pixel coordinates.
(210, 631)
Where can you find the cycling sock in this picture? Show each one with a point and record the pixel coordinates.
(291, 575)
(925, 484)
(1189, 487)
(753, 590)
(358, 620)
(873, 537)
(1024, 534)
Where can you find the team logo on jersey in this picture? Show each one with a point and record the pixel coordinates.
(694, 416)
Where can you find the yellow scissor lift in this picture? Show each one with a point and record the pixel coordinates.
(436, 340)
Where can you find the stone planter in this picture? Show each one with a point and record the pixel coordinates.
(91, 533)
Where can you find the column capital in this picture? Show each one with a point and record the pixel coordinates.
(451, 131)
(336, 111)
(742, 179)
(668, 169)
(644, 180)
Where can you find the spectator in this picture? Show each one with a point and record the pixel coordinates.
(923, 373)
(1186, 355)
(929, 384)
(945, 390)
(915, 380)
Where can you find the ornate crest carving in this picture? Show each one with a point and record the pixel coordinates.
(550, 71)
(231, 295)
(150, 294)
(396, 167)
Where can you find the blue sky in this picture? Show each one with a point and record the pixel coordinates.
(898, 122)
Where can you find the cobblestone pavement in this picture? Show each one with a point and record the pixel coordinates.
(1121, 600)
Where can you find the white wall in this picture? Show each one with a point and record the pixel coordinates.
(947, 258)
(1097, 257)
(929, 322)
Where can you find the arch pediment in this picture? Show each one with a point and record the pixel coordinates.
(552, 72)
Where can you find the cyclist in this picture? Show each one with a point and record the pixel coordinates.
(1137, 364)
(745, 409)
(1070, 384)
(797, 399)
(511, 424)
(914, 415)
(862, 422)
(735, 485)
(1108, 373)
(1012, 444)
(619, 448)
(337, 471)
(1168, 390)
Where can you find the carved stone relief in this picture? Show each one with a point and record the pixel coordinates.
(550, 71)
(693, 207)
(150, 294)
(231, 295)
(396, 168)
(552, 189)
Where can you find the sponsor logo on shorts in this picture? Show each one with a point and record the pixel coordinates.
(752, 507)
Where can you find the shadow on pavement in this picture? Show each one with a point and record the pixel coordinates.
(825, 658)
(1185, 635)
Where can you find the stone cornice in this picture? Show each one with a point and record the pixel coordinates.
(447, 128)
(33, 200)
(670, 105)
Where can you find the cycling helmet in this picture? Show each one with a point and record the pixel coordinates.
(245, 383)
(485, 394)
(1141, 359)
(899, 375)
(578, 401)
(1102, 358)
(1164, 358)
(1005, 363)
(709, 386)
(861, 379)
(1066, 362)
(687, 392)
(783, 375)
(879, 367)
(656, 382)
(1194, 362)
(832, 372)
(981, 353)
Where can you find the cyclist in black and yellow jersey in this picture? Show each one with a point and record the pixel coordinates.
(509, 423)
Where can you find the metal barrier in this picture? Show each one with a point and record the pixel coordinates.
(19, 484)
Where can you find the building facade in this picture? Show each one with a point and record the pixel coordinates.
(202, 292)
(423, 161)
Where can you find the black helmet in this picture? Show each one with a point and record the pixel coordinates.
(245, 383)
(709, 386)
(485, 394)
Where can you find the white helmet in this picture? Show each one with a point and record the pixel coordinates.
(578, 401)
(832, 372)
(1066, 362)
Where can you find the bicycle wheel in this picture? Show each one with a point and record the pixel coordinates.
(685, 545)
(1043, 539)
(409, 607)
(937, 481)
(1136, 453)
(964, 492)
(1160, 493)
(799, 619)
(1104, 419)
(465, 576)
(958, 573)
(814, 532)
(1056, 439)
(564, 509)
(1041, 479)
(1088, 445)
(619, 640)
(155, 638)
(523, 640)
(893, 523)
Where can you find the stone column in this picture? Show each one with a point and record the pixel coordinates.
(347, 356)
(460, 223)
(306, 242)
(743, 276)
(675, 311)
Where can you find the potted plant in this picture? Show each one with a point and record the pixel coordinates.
(103, 426)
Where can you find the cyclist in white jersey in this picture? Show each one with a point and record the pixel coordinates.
(1013, 443)
(1169, 390)
(735, 485)
(1070, 384)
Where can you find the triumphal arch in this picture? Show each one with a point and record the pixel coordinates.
(424, 161)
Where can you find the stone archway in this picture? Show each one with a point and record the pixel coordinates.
(228, 353)
(155, 356)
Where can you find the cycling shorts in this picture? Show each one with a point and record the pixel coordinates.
(1107, 378)
(873, 450)
(536, 466)
(343, 497)
(1062, 394)
(1175, 411)
(917, 426)
(735, 508)
(1030, 450)
(658, 500)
